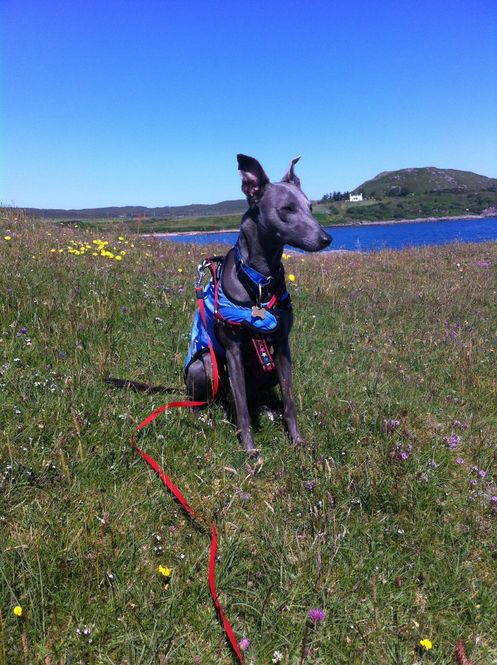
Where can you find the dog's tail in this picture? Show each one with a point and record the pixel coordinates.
(127, 384)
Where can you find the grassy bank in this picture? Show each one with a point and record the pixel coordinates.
(386, 520)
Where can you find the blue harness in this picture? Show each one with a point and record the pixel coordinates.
(258, 321)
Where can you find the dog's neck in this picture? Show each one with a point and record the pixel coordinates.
(263, 256)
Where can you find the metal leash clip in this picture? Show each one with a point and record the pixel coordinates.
(201, 268)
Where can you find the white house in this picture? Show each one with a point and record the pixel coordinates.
(355, 197)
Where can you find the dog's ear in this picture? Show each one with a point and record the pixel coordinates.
(290, 175)
(253, 177)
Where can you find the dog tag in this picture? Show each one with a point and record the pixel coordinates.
(258, 312)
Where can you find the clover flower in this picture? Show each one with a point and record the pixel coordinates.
(244, 644)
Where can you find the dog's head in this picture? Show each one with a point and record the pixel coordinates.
(284, 213)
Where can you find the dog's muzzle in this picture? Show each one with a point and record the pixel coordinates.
(325, 240)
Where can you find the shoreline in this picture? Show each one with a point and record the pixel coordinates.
(365, 222)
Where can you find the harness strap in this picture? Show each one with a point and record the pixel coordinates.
(263, 354)
(174, 489)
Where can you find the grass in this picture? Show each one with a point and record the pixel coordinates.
(394, 354)
(173, 225)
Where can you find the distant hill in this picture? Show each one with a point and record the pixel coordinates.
(416, 193)
(142, 212)
(427, 180)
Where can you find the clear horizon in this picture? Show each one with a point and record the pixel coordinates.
(147, 104)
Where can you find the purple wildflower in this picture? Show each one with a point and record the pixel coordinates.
(316, 615)
(390, 425)
(473, 482)
(400, 454)
(482, 473)
(310, 485)
(22, 331)
(460, 460)
(452, 441)
(61, 355)
(493, 500)
(244, 644)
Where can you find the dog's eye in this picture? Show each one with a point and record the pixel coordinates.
(288, 209)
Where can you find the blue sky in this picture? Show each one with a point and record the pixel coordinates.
(147, 103)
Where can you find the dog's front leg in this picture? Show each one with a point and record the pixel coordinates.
(236, 374)
(283, 360)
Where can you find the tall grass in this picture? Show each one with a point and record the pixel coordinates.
(386, 519)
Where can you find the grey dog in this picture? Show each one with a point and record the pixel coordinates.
(279, 214)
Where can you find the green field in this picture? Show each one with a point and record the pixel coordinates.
(386, 519)
(173, 225)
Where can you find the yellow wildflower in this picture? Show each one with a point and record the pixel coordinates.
(425, 644)
(17, 611)
(120, 238)
(165, 571)
(119, 258)
(7, 238)
(291, 277)
(180, 269)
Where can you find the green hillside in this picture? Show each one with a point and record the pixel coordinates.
(416, 193)
(426, 180)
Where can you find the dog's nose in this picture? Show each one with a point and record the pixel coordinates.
(325, 239)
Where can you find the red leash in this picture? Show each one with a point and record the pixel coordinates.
(176, 492)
